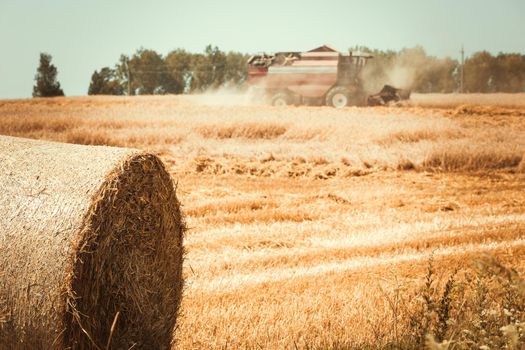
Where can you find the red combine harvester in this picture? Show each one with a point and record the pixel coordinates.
(317, 77)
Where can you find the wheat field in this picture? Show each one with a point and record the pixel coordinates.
(304, 220)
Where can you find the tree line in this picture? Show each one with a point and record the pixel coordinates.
(148, 72)
(482, 71)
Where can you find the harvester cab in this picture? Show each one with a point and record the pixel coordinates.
(350, 66)
(322, 76)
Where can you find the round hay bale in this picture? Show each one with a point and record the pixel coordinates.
(90, 248)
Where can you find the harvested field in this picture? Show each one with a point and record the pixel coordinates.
(291, 142)
(304, 222)
(516, 100)
(91, 241)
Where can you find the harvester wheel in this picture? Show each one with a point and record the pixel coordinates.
(281, 99)
(338, 97)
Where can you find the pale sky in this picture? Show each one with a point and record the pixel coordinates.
(84, 35)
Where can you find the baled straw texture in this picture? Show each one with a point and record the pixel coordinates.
(90, 248)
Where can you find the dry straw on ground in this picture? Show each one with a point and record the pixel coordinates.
(91, 248)
(521, 166)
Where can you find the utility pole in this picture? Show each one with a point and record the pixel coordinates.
(462, 76)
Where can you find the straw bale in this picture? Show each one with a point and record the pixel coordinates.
(90, 248)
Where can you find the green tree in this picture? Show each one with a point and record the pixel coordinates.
(105, 83)
(199, 73)
(479, 72)
(208, 70)
(46, 79)
(178, 65)
(509, 73)
(236, 68)
(143, 74)
(217, 65)
(148, 72)
(436, 75)
(122, 74)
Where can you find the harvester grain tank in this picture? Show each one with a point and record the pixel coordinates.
(322, 76)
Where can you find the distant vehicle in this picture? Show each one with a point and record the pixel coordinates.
(322, 76)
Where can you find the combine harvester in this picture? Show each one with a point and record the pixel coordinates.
(322, 76)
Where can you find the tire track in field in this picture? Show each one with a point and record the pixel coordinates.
(239, 236)
(232, 261)
(238, 281)
(264, 253)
